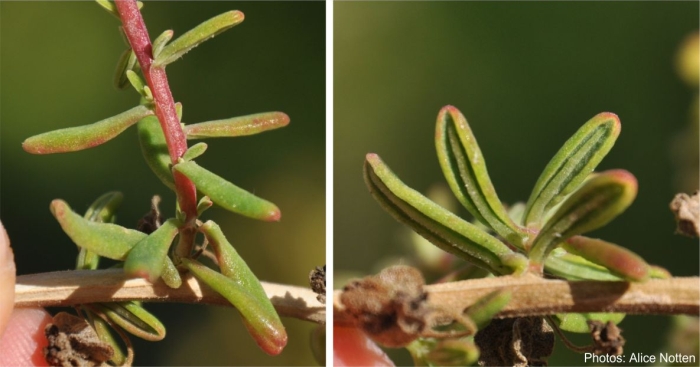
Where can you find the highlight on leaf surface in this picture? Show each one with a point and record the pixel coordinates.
(197, 35)
(437, 225)
(593, 205)
(464, 168)
(105, 239)
(147, 258)
(83, 137)
(228, 195)
(155, 150)
(265, 328)
(571, 165)
(237, 126)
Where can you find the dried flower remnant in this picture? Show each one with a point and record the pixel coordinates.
(607, 338)
(73, 342)
(686, 209)
(317, 281)
(392, 308)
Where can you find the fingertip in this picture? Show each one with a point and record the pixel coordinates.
(23, 342)
(351, 347)
(7, 279)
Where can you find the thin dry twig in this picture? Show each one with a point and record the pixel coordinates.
(67, 288)
(534, 296)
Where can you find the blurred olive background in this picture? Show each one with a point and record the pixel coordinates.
(527, 76)
(57, 64)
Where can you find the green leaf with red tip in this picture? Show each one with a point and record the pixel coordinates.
(465, 170)
(83, 137)
(133, 318)
(228, 195)
(147, 258)
(233, 266)
(127, 63)
(619, 260)
(593, 205)
(566, 265)
(155, 149)
(237, 126)
(265, 328)
(197, 35)
(571, 165)
(105, 239)
(438, 225)
(578, 322)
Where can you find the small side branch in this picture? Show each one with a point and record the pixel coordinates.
(66, 288)
(534, 296)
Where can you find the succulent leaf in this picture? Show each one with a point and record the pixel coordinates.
(593, 205)
(105, 239)
(566, 265)
(465, 170)
(578, 322)
(104, 333)
(83, 137)
(484, 310)
(127, 62)
(265, 328)
(170, 275)
(571, 165)
(147, 258)
(133, 318)
(101, 210)
(228, 195)
(155, 149)
(194, 151)
(619, 260)
(197, 35)
(436, 224)
(136, 82)
(237, 126)
(161, 41)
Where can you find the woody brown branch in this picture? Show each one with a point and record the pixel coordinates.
(67, 288)
(534, 296)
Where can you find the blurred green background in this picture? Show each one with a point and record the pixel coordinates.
(57, 62)
(526, 75)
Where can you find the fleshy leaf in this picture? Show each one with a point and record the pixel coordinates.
(147, 258)
(619, 260)
(105, 239)
(571, 165)
(228, 195)
(170, 275)
(465, 170)
(204, 204)
(101, 210)
(83, 137)
(453, 352)
(127, 63)
(593, 205)
(573, 267)
(161, 41)
(194, 151)
(197, 35)
(103, 332)
(133, 318)
(265, 328)
(437, 225)
(578, 322)
(136, 82)
(483, 310)
(233, 266)
(237, 126)
(155, 149)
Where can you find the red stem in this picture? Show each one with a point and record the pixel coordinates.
(157, 80)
